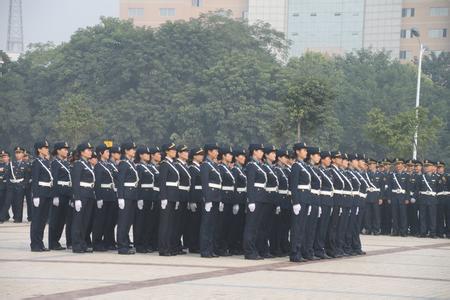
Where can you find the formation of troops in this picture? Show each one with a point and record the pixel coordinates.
(259, 202)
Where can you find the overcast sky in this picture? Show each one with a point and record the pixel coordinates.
(56, 20)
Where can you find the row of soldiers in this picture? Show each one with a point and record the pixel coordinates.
(217, 201)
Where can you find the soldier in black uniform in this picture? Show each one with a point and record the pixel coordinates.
(106, 197)
(4, 163)
(374, 181)
(427, 190)
(169, 179)
(239, 202)
(413, 207)
(348, 207)
(62, 195)
(326, 205)
(16, 177)
(141, 227)
(279, 241)
(386, 211)
(127, 194)
(399, 194)
(223, 228)
(340, 197)
(300, 186)
(257, 201)
(42, 184)
(211, 190)
(155, 159)
(115, 154)
(28, 196)
(314, 209)
(83, 182)
(443, 205)
(181, 209)
(195, 201)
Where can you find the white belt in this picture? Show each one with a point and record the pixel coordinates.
(170, 183)
(64, 183)
(371, 189)
(304, 187)
(327, 193)
(147, 185)
(227, 188)
(315, 192)
(443, 193)
(428, 193)
(399, 191)
(87, 184)
(339, 192)
(107, 185)
(354, 193)
(283, 192)
(156, 189)
(215, 185)
(44, 183)
(271, 189)
(260, 185)
(197, 187)
(348, 193)
(241, 189)
(16, 180)
(363, 195)
(130, 184)
(184, 188)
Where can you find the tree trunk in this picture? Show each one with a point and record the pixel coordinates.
(298, 129)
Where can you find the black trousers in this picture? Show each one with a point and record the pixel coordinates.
(208, 228)
(124, 222)
(399, 216)
(223, 229)
(141, 226)
(193, 229)
(443, 214)
(298, 226)
(386, 217)
(237, 223)
(353, 241)
(372, 217)
(166, 229)
(38, 222)
(310, 233)
(279, 235)
(413, 218)
(428, 218)
(331, 246)
(80, 224)
(2, 204)
(322, 230)
(344, 218)
(252, 227)
(58, 218)
(103, 227)
(154, 225)
(179, 223)
(264, 228)
(15, 194)
(29, 201)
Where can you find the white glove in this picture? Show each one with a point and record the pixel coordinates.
(36, 202)
(56, 201)
(99, 204)
(208, 206)
(221, 206)
(235, 209)
(78, 205)
(340, 211)
(357, 210)
(193, 207)
(297, 208)
(331, 211)
(177, 204)
(252, 207)
(140, 204)
(163, 204)
(309, 210)
(121, 203)
(413, 200)
(278, 210)
(71, 204)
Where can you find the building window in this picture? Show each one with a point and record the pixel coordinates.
(436, 52)
(167, 12)
(405, 54)
(437, 33)
(439, 11)
(405, 34)
(337, 14)
(313, 14)
(295, 14)
(135, 12)
(197, 3)
(408, 12)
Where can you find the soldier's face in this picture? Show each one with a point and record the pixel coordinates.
(372, 167)
(240, 159)
(171, 153)
(115, 156)
(44, 151)
(63, 152)
(228, 158)
(302, 153)
(440, 170)
(199, 158)
(344, 163)
(93, 161)
(184, 155)
(86, 153)
(283, 160)
(326, 161)
(105, 154)
(418, 168)
(271, 156)
(19, 155)
(5, 158)
(157, 157)
(399, 167)
(258, 154)
(315, 158)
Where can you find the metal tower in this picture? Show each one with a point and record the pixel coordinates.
(15, 28)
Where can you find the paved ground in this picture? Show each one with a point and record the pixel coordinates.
(394, 268)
